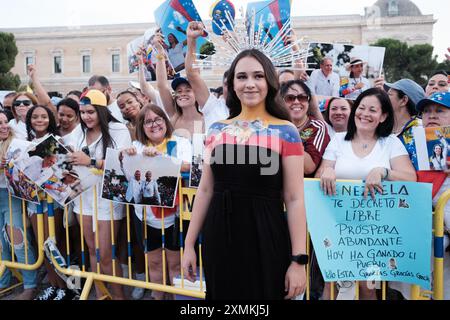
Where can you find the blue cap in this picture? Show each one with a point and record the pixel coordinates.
(441, 98)
(410, 88)
(177, 81)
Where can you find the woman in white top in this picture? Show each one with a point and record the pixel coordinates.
(182, 108)
(29, 277)
(41, 123)
(155, 138)
(357, 83)
(336, 115)
(368, 151)
(20, 106)
(175, 51)
(69, 117)
(100, 131)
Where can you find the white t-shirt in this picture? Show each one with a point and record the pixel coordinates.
(215, 109)
(19, 129)
(324, 86)
(353, 82)
(122, 139)
(350, 166)
(184, 153)
(176, 55)
(114, 108)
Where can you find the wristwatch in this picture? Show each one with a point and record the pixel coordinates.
(300, 259)
(93, 162)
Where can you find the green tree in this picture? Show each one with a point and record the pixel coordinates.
(8, 53)
(402, 61)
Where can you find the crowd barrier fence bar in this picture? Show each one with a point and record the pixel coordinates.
(185, 215)
(13, 265)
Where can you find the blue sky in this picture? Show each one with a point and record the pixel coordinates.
(95, 12)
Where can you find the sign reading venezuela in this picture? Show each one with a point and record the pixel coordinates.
(383, 239)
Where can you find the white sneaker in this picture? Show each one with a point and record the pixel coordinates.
(138, 293)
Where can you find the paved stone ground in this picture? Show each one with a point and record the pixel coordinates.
(43, 284)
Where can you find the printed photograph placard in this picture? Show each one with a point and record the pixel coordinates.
(48, 166)
(432, 147)
(198, 146)
(140, 179)
(273, 14)
(18, 184)
(173, 17)
(343, 56)
(145, 42)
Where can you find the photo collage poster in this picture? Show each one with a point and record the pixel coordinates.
(140, 179)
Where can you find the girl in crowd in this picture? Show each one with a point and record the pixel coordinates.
(367, 151)
(20, 250)
(21, 104)
(250, 250)
(155, 138)
(404, 95)
(337, 114)
(41, 123)
(129, 106)
(181, 108)
(100, 131)
(299, 103)
(438, 83)
(68, 117)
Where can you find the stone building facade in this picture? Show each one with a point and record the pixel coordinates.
(67, 57)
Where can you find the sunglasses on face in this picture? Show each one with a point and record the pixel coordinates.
(290, 98)
(26, 103)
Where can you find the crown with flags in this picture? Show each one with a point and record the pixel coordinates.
(266, 26)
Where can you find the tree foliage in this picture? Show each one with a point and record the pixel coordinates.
(8, 53)
(415, 62)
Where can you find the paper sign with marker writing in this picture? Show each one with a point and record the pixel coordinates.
(386, 239)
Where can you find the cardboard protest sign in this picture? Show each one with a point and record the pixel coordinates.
(386, 239)
(48, 166)
(173, 17)
(343, 56)
(432, 147)
(140, 179)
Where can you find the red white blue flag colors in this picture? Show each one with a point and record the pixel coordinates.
(173, 17)
(274, 14)
(220, 17)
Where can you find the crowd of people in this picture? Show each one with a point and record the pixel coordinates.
(251, 249)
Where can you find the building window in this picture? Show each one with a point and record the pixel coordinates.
(28, 61)
(116, 63)
(57, 64)
(86, 64)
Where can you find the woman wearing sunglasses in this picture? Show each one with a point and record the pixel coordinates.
(20, 106)
(298, 102)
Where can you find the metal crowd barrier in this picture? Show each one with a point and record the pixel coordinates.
(13, 265)
(186, 199)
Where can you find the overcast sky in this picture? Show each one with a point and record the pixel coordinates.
(32, 13)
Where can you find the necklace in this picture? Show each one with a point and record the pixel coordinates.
(365, 146)
(300, 126)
